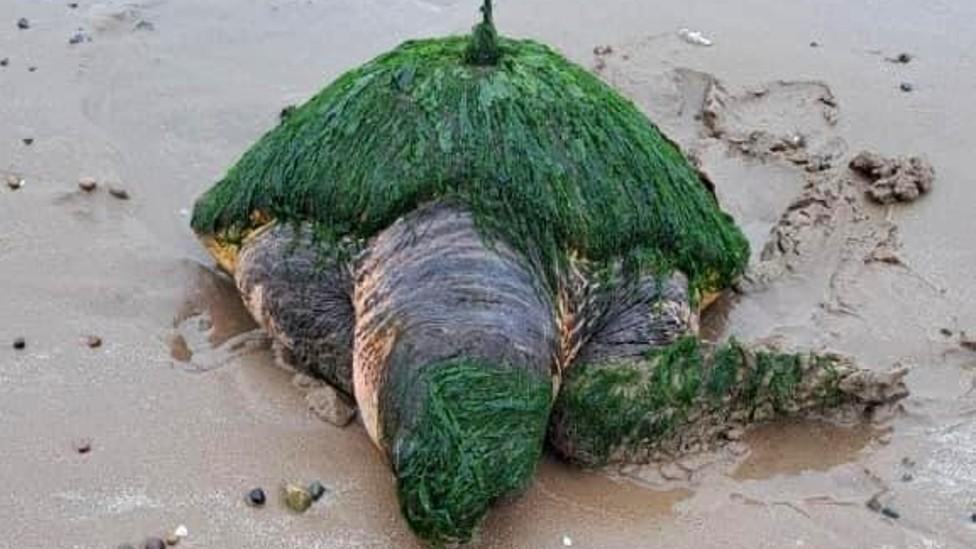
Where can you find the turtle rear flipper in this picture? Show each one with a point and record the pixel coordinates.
(689, 395)
(454, 350)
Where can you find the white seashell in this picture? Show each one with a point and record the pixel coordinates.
(694, 37)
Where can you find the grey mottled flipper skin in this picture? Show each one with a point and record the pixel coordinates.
(303, 299)
(625, 316)
(430, 289)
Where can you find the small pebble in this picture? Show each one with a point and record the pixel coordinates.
(906, 87)
(814, 44)
(23, 23)
(145, 25)
(907, 477)
(317, 489)
(256, 497)
(172, 539)
(297, 498)
(908, 462)
(946, 332)
(119, 193)
(31, 69)
(890, 513)
(87, 184)
(874, 504)
(967, 342)
(181, 531)
(903, 58)
(972, 518)
(77, 38)
(155, 543)
(93, 342)
(567, 541)
(15, 182)
(83, 445)
(28, 141)
(73, 5)
(20, 343)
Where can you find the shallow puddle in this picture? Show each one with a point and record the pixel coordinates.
(792, 447)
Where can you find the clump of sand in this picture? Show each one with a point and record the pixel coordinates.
(894, 179)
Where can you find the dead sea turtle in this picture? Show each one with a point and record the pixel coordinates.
(487, 248)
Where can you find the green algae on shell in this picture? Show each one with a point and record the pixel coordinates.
(543, 153)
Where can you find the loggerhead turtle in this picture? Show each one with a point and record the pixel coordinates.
(488, 249)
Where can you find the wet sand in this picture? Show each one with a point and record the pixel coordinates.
(186, 412)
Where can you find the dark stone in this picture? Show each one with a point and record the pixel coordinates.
(907, 477)
(4, 62)
(814, 44)
(119, 193)
(73, 5)
(145, 25)
(77, 38)
(31, 69)
(972, 518)
(83, 446)
(317, 489)
(28, 141)
(23, 23)
(93, 341)
(155, 543)
(20, 343)
(903, 58)
(890, 513)
(906, 87)
(256, 497)
(874, 505)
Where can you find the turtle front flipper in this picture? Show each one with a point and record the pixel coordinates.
(302, 296)
(640, 387)
(454, 349)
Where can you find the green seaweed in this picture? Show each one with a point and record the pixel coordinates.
(477, 435)
(545, 155)
(630, 404)
(603, 406)
(483, 49)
